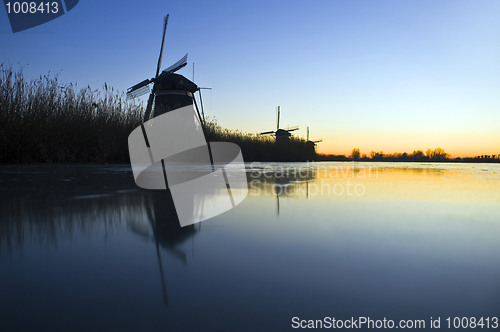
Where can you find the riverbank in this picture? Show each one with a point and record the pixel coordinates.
(44, 121)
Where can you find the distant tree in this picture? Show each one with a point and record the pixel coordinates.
(377, 154)
(418, 154)
(395, 155)
(436, 154)
(364, 156)
(355, 154)
(439, 154)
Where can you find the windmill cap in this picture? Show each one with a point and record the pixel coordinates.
(177, 82)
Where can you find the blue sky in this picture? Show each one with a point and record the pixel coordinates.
(377, 75)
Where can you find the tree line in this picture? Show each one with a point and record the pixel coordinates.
(437, 154)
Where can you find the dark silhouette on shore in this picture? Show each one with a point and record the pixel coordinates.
(44, 121)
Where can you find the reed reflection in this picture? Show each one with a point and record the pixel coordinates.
(45, 220)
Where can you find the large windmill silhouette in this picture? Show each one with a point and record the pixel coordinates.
(170, 91)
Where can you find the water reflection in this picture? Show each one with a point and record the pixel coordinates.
(280, 180)
(375, 181)
(45, 220)
(421, 241)
(40, 216)
(163, 228)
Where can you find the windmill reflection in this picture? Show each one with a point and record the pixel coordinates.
(292, 187)
(162, 226)
(282, 181)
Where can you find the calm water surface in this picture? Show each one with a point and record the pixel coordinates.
(82, 248)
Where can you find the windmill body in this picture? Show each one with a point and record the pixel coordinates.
(173, 91)
(311, 145)
(170, 91)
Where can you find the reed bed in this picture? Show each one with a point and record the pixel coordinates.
(44, 121)
(261, 147)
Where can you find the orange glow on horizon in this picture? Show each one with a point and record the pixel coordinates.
(462, 147)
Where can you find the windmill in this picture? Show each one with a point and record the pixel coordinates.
(312, 143)
(280, 134)
(170, 91)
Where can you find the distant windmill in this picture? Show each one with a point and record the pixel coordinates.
(170, 91)
(280, 134)
(312, 143)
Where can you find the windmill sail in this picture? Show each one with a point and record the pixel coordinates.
(311, 143)
(142, 88)
(137, 92)
(176, 66)
(292, 128)
(278, 120)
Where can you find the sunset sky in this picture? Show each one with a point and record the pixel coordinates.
(389, 76)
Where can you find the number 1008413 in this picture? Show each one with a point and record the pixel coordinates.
(32, 7)
(472, 322)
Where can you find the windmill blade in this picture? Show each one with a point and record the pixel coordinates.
(138, 86)
(267, 132)
(176, 66)
(318, 141)
(292, 128)
(165, 22)
(138, 92)
(149, 108)
(278, 119)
